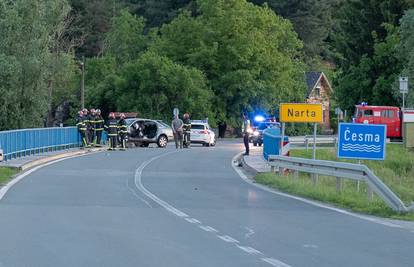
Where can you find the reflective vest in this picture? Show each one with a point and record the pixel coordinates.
(122, 127)
(111, 127)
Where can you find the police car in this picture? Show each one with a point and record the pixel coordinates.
(201, 133)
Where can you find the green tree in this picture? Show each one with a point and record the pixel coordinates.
(28, 31)
(405, 52)
(126, 38)
(364, 43)
(153, 85)
(249, 55)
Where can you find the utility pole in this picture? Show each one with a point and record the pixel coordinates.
(83, 83)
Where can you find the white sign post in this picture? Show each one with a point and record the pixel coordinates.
(403, 88)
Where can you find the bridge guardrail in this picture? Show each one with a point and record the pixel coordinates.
(352, 171)
(25, 142)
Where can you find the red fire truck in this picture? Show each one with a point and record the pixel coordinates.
(390, 116)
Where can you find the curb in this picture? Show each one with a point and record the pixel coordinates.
(245, 166)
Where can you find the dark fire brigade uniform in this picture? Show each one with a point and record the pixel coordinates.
(80, 123)
(186, 132)
(123, 132)
(90, 125)
(99, 127)
(111, 128)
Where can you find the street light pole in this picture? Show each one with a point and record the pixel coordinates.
(83, 83)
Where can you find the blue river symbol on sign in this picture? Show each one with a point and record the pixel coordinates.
(361, 141)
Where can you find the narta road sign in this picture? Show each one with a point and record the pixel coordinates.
(301, 113)
(362, 141)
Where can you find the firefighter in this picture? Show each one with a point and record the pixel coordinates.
(122, 131)
(87, 122)
(81, 128)
(186, 130)
(92, 131)
(99, 124)
(111, 128)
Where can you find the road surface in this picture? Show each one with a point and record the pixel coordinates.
(162, 207)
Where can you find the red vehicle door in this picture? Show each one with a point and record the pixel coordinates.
(391, 117)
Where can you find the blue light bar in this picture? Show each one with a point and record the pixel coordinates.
(259, 118)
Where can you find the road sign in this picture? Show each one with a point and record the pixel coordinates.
(301, 113)
(403, 85)
(362, 141)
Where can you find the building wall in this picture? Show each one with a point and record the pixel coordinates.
(322, 97)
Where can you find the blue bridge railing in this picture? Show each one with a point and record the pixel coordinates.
(25, 142)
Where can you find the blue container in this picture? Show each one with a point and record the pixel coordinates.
(271, 142)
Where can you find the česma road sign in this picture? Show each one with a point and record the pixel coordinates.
(301, 113)
(362, 141)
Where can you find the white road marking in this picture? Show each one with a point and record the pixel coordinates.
(310, 202)
(208, 229)
(275, 262)
(228, 239)
(249, 250)
(310, 246)
(192, 220)
(162, 203)
(250, 232)
(136, 195)
(170, 208)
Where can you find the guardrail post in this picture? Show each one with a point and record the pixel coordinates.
(306, 143)
(370, 193)
(314, 179)
(296, 175)
(339, 184)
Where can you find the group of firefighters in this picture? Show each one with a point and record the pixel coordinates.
(91, 125)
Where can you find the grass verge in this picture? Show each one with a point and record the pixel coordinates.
(6, 175)
(397, 171)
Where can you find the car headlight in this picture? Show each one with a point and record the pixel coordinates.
(256, 133)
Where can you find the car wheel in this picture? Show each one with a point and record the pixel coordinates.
(214, 143)
(254, 143)
(260, 144)
(162, 141)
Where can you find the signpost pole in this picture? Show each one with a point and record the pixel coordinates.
(281, 146)
(314, 176)
(403, 106)
(315, 127)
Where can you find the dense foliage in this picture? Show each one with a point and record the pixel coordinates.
(213, 58)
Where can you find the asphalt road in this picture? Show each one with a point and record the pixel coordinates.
(162, 207)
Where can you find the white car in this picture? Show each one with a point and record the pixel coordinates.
(201, 133)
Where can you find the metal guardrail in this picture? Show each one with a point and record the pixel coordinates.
(308, 140)
(351, 171)
(25, 142)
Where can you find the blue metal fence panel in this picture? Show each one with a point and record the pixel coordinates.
(271, 142)
(20, 143)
